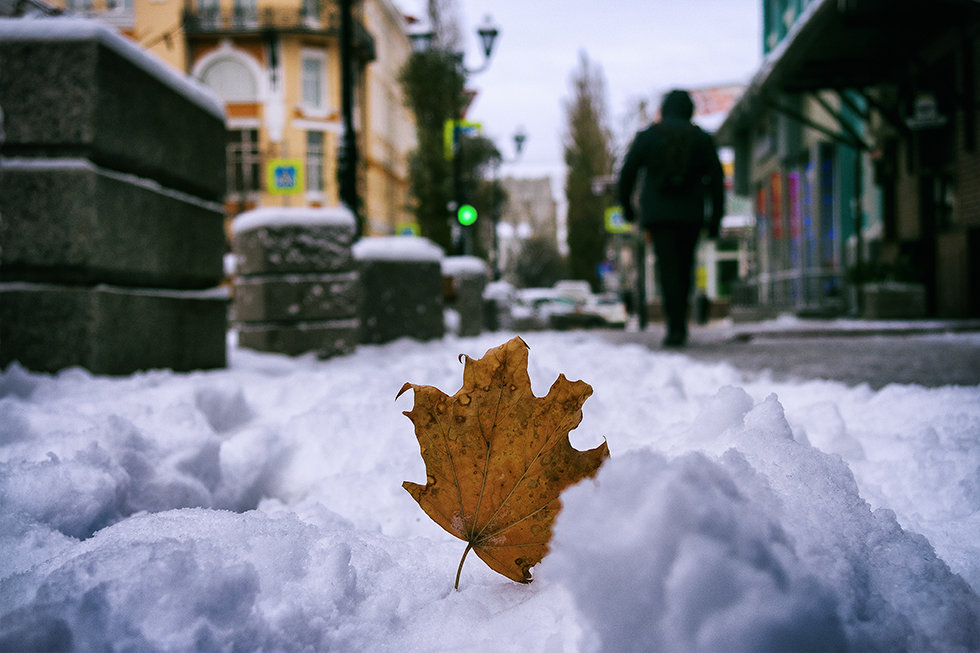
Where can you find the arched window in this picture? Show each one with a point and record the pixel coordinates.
(231, 80)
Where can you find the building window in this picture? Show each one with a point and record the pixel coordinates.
(314, 80)
(231, 80)
(246, 13)
(243, 161)
(310, 11)
(314, 162)
(208, 13)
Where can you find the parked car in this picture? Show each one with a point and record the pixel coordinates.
(611, 308)
(568, 305)
(535, 307)
(577, 291)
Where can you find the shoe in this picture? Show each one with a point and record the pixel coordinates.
(675, 340)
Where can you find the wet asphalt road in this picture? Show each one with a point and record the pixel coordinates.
(930, 358)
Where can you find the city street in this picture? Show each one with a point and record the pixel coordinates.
(933, 354)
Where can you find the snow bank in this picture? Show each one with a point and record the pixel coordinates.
(260, 507)
(768, 547)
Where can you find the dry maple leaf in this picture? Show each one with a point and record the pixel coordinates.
(497, 457)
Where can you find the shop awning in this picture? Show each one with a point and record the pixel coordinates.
(851, 44)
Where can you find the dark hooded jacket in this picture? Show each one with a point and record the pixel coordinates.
(683, 180)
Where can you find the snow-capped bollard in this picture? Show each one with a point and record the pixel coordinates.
(465, 278)
(402, 284)
(296, 288)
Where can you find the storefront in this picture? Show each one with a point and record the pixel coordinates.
(857, 140)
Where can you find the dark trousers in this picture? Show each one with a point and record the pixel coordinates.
(674, 245)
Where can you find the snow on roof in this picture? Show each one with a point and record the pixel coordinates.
(83, 29)
(457, 266)
(282, 216)
(397, 248)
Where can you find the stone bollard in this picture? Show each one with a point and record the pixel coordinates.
(296, 287)
(401, 280)
(466, 277)
(112, 180)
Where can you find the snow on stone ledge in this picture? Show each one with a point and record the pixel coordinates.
(464, 266)
(287, 216)
(397, 248)
(27, 163)
(82, 29)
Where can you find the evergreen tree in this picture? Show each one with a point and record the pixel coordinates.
(588, 155)
(434, 84)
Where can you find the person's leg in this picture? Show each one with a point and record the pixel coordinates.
(665, 245)
(674, 247)
(686, 243)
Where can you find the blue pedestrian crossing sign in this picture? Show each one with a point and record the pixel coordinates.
(284, 176)
(615, 222)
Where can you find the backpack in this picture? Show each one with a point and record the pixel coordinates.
(675, 170)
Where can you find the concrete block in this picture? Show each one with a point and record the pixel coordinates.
(402, 288)
(401, 299)
(467, 277)
(75, 88)
(325, 339)
(287, 241)
(111, 330)
(297, 297)
(68, 221)
(469, 305)
(297, 288)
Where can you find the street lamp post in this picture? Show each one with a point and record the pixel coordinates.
(347, 164)
(520, 137)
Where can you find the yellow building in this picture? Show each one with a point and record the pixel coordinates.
(277, 66)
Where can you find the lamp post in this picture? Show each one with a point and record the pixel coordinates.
(347, 164)
(520, 137)
(488, 33)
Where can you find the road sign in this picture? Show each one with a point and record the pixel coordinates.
(284, 176)
(615, 222)
(454, 130)
(408, 229)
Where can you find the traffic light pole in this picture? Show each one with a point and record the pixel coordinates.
(464, 245)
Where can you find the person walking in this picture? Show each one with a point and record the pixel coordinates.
(682, 192)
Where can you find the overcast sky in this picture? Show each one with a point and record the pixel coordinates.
(644, 47)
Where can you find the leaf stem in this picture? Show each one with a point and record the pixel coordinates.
(459, 570)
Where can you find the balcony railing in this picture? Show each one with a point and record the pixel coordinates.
(304, 18)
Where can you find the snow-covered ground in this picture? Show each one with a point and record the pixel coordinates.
(261, 508)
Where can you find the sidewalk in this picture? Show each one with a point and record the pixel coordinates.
(793, 327)
(931, 353)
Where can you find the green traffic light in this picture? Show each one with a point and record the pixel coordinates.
(466, 215)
